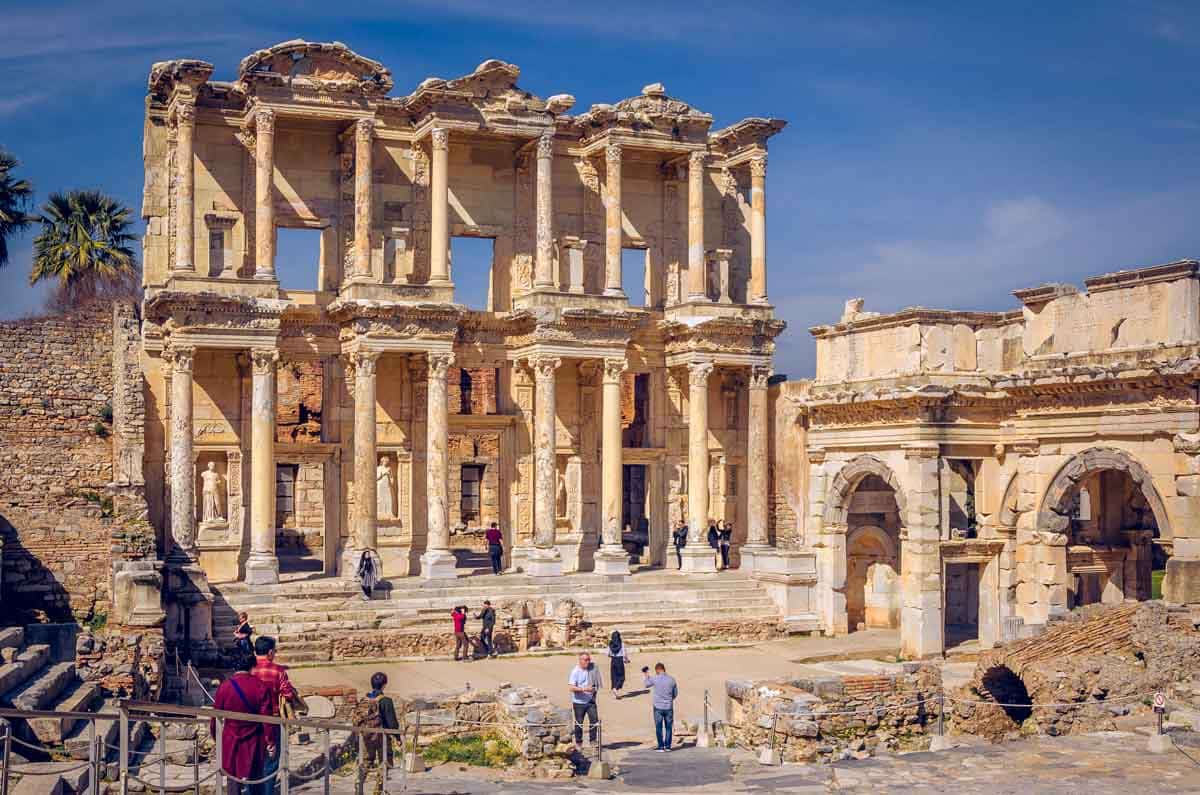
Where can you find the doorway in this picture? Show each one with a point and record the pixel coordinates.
(635, 523)
(962, 603)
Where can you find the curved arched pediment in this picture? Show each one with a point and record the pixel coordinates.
(325, 66)
(1054, 515)
(847, 480)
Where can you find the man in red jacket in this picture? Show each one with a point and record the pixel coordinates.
(459, 616)
(243, 742)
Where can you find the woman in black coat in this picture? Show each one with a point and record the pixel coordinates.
(616, 663)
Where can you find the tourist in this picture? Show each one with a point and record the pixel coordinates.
(369, 569)
(679, 539)
(584, 683)
(495, 542)
(714, 539)
(724, 540)
(488, 616)
(461, 643)
(274, 678)
(243, 742)
(377, 711)
(616, 663)
(243, 635)
(663, 691)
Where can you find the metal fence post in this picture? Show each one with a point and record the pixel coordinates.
(219, 758)
(123, 717)
(284, 740)
(7, 761)
(162, 756)
(360, 772)
(328, 761)
(706, 711)
(941, 712)
(93, 760)
(196, 762)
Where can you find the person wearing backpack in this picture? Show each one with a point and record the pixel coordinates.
(376, 711)
(243, 742)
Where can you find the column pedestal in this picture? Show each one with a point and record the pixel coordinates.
(612, 562)
(748, 553)
(439, 564)
(1181, 585)
(545, 563)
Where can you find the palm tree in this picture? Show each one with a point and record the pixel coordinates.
(14, 200)
(85, 243)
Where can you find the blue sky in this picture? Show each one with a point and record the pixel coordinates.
(937, 154)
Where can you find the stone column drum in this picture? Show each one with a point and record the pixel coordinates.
(697, 278)
(698, 556)
(437, 562)
(439, 227)
(921, 622)
(612, 221)
(183, 486)
(185, 169)
(758, 231)
(544, 271)
(262, 567)
(264, 204)
(545, 559)
(757, 539)
(364, 523)
(611, 559)
(364, 136)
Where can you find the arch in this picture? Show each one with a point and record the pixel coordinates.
(873, 534)
(1054, 513)
(1008, 512)
(848, 478)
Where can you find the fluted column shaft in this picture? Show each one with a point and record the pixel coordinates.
(439, 226)
(697, 277)
(264, 205)
(757, 432)
(544, 269)
(436, 456)
(262, 567)
(545, 455)
(758, 230)
(612, 221)
(698, 373)
(610, 456)
(185, 202)
(366, 519)
(183, 485)
(364, 136)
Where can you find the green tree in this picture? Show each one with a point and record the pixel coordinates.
(86, 244)
(15, 195)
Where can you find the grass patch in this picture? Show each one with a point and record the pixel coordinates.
(485, 750)
(1156, 578)
(97, 622)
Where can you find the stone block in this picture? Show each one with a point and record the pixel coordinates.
(1159, 744)
(414, 763)
(1181, 584)
(769, 756)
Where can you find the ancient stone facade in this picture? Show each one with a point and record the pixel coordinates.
(373, 411)
(972, 474)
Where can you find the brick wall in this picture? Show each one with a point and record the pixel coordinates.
(471, 390)
(56, 388)
(298, 413)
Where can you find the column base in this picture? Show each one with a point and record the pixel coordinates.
(748, 552)
(612, 561)
(614, 292)
(544, 563)
(699, 560)
(265, 275)
(262, 569)
(1181, 584)
(439, 564)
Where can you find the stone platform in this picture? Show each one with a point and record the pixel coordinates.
(328, 619)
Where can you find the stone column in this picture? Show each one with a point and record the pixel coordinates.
(612, 559)
(698, 556)
(262, 567)
(544, 271)
(545, 559)
(183, 471)
(757, 431)
(1181, 584)
(437, 562)
(264, 205)
(364, 136)
(185, 169)
(364, 522)
(439, 226)
(612, 221)
(921, 622)
(697, 283)
(758, 231)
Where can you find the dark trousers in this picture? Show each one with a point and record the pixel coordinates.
(589, 711)
(725, 556)
(664, 719)
(462, 644)
(270, 765)
(485, 638)
(679, 555)
(496, 552)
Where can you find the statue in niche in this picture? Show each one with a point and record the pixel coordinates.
(211, 495)
(560, 502)
(383, 490)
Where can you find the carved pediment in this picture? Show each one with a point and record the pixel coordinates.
(653, 109)
(330, 67)
(165, 76)
(491, 90)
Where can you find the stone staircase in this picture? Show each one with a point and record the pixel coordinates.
(303, 616)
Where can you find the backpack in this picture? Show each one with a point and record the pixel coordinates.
(366, 715)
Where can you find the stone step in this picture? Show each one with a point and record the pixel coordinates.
(108, 729)
(42, 691)
(79, 697)
(26, 664)
(12, 639)
(51, 784)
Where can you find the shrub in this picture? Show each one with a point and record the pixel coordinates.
(472, 749)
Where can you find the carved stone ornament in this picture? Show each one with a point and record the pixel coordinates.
(758, 166)
(545, 366)
(698, 372)
(440, 364)
(613, 368)
(440, 138)
(365, 363)
(264, 121)
(759, 377)
(264, 360)
(612, 155)
(185, 113)
(364, 130)
(696, 159)
(180, 357)
(545, 145)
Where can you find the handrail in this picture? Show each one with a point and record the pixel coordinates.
(199, 714)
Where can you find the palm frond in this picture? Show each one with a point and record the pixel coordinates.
(85, 236)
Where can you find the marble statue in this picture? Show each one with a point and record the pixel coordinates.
(383, 492)
(560, 502)
(211, 494)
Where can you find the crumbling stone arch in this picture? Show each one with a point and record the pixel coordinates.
(846, 481)
(1054, 514)
(1009, 514)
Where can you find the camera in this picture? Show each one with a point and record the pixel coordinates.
(645, 669)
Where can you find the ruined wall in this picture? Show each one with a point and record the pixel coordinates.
(787, 464)
(56, 388)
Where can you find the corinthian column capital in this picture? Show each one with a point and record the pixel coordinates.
(613, 369)
(365, 362)
(264, 360)
(264, 121)
(612, 155)
(758, 166)
(760, 375)
(440, 364)
(185, 113)
(696, 159)
(544, 367)
(440, 138)
(364, 131)
(545, 145)
(180, 357)
(698, 372)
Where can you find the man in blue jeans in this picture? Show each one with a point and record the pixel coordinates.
(663, 691)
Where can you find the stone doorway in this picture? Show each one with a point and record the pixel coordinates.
(635, 519)
(962, 584)
(300, 517)
(872, 579)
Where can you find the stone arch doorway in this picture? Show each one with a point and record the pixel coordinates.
(866, 500)
(1103, 508)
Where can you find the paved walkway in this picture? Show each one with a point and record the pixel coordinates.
(627, 720)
